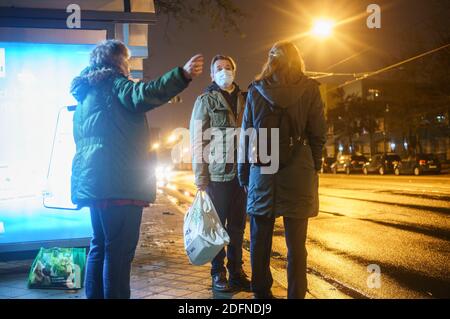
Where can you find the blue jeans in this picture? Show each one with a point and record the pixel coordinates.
(261, 233)
(114, 241)
(230, 201)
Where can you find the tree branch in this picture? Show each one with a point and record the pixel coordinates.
(223, 15)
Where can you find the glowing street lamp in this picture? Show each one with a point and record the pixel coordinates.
(393, 146)
(322, 28)
(155, 146)
(172, 138)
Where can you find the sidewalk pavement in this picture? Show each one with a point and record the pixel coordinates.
(161, 269)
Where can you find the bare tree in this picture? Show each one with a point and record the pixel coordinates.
(223, 15)
(355, 116)
(417, 110)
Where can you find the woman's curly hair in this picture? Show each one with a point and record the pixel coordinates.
(112, 54)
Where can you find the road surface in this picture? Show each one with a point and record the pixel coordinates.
(397, 224)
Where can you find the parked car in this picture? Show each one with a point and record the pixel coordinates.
(327, 162)
(349, 164)
(418, 165)
(382, 164)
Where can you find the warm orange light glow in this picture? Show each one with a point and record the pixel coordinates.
(322, 28)
(172, 138)
(314, 37)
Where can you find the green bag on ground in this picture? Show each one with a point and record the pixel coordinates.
(58, 268)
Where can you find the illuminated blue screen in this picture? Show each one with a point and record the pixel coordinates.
(34, 86)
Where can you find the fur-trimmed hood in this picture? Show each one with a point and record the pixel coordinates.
(91, 77)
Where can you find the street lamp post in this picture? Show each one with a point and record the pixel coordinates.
(385, 128)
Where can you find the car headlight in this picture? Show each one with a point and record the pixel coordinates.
(159, 172)
(163, 172)
(168, 170)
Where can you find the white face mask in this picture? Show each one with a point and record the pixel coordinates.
(224, 78)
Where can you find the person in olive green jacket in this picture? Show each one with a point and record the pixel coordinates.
(218, 112)
(110, 170)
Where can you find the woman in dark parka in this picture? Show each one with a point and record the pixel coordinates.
(291, 192)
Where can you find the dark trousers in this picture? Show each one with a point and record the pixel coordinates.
(230, 201)
(114, 241)
(261, 233)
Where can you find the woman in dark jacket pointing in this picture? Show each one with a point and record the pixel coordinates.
(110, 170)
(291, 192)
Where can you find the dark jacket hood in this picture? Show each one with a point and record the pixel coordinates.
(284, 95)
(215, 87)
(89, 78)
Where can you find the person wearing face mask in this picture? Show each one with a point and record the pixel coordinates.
(216, 112)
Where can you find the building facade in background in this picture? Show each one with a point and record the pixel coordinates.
(373, 115)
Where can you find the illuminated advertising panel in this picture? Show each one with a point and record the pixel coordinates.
(36, 144)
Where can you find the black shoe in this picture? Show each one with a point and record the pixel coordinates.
(239, 281)
(267, 295)
(220, 283)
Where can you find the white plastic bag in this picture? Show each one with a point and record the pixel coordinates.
(204, 235)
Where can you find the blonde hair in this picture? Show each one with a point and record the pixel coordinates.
(284, 63)
(111, 53)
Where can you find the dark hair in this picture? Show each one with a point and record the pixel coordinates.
(222, 57)
(110, 53)
(284, 63)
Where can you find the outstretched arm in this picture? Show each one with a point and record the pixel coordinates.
(144, 96)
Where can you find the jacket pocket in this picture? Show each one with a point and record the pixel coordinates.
(219, 115)
(260, 200)
(216, 168)
(219, 118)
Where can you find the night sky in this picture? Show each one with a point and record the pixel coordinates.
(404, 33)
